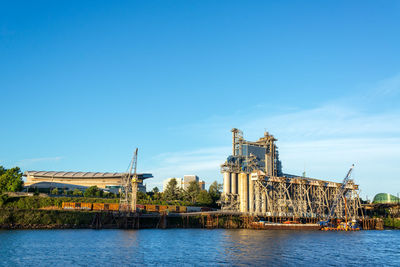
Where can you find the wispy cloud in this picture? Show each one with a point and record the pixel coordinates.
(25, 162)
(328, 139)
(375, 158)
(203, 162)
(327, 122)
(388, 87)
(325, 140)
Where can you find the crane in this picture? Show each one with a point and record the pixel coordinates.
(134, 181)
(341, 193)
(129, 185)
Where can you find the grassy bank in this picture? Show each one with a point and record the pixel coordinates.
(44, 219)
(391, 223)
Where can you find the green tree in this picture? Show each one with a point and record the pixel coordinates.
(181, 194)
(54, 191)
(141, 195)
(204, 198)
(11, 180)
(3, 198)
(92, 191)
(77, 192)
(192, 191)
(99, 193)
(215, 191)
(171, 192)
(155, 190)
(2, 170)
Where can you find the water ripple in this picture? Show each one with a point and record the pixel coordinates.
(197, 247)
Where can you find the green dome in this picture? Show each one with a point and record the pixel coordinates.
(385, 198)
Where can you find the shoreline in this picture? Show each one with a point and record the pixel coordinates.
(25, 219)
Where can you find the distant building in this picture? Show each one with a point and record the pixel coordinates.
(179, 182)
(80, 180)
(184, 183)
(189, 178)
(202, 185)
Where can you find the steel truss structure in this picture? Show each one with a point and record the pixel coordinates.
(259, 191)
(299, 198)
(294, 197)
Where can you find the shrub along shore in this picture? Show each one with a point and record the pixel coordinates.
(44, 219)
(44, 212)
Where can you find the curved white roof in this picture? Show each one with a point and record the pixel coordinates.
(55, 174)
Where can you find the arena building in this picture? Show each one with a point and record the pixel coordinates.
(107, 181)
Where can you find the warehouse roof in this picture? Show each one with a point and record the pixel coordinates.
(82, 175)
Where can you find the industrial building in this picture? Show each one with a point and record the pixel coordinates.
(80, 180)
(253, 183)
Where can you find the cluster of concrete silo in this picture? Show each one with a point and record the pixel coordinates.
(250, 197)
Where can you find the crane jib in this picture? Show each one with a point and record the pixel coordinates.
(341, 193)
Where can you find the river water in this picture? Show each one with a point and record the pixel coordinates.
(198, 247)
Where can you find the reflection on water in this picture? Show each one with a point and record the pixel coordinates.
(198, 247)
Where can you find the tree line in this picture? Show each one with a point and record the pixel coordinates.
(193, 193)
(11, 181)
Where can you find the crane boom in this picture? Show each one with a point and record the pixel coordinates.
(133, 163)
(134, 182)
(340, 193)
(136, 151)
(129, 185)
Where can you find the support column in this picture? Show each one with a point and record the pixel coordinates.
(234, 183)
(258, 198)
(227, 183)
(240, 190)
(264, 203)
(244, 192)
(251, 195)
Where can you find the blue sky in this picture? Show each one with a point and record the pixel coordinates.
(82, 83)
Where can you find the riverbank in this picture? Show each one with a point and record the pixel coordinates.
(391, 223)
(44, 219)
(63, 219)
